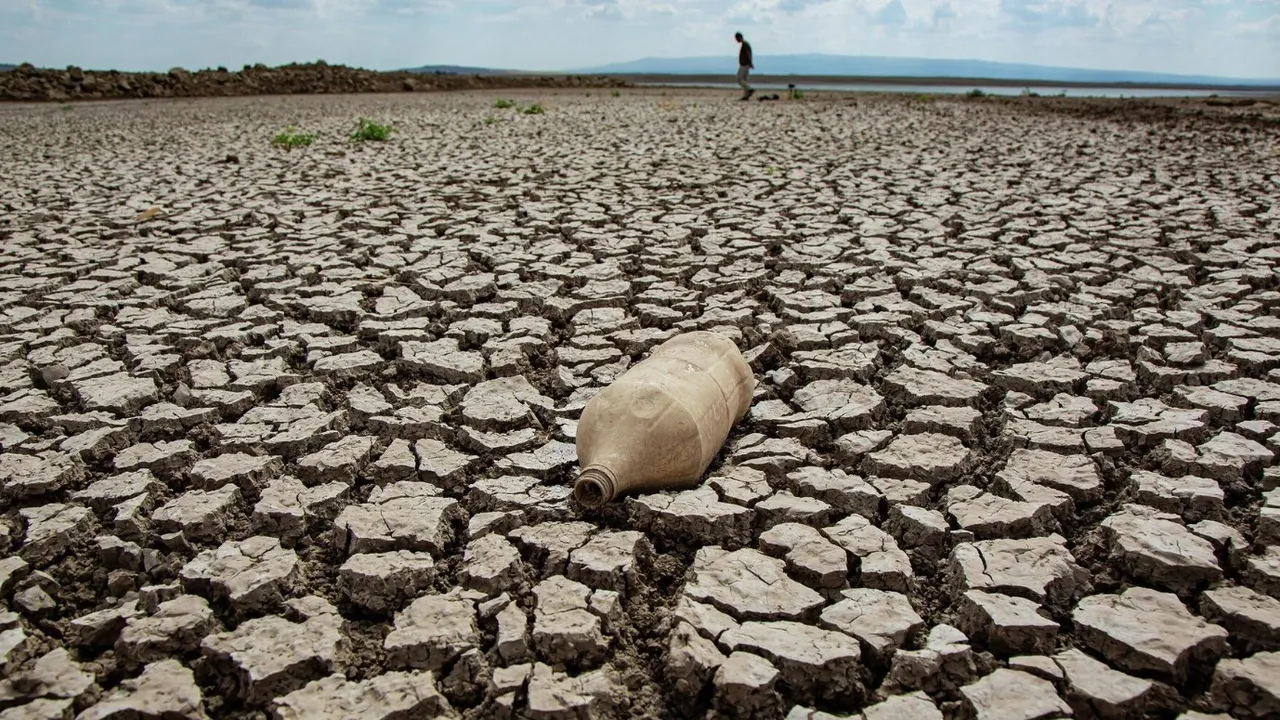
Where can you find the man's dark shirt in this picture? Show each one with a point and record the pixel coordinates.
(744, 54)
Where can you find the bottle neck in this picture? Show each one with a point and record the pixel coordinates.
(596, 485)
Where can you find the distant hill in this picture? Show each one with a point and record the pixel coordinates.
(4, 67)
(873, 66)
(460, 70)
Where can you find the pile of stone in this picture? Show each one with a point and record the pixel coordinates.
(26, 82)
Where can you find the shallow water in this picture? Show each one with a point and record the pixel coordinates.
(1047, 91)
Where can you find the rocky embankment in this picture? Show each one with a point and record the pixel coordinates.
(31, 83)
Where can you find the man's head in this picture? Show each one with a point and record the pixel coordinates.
(737, 36)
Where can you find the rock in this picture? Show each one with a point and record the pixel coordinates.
(34, 601)
(1229, 456)
(433, 631)
(1005, 624)
(741, 485)
(927, 387)
(287, 506)
(745, 686)
(349, 365)
(502, 404)
(565, 631)
(108, 492)
(811, 661)
(1193, 498)
(846, 404)
(1060, 375)
(253, 574)
(1065, 410)
(690, 662)
(52, 529)
(852, 447)
(547, 545)
(516, 492)
(399, 516)
(25, 476)
(882, 564)
(916, 706)
(397, 462)
(164, 690)
(609, 560)
(443, 360)
(102, 627)
(1156, 548)
(919, 529)
(1145, 631)
(843, 493)
(441, 464)
(512, 644)
(692, 515)
(383, 582)
(783, 507)
(810, 557)
(928, 457)
(1253, 619)
(881, 621)
(270, 656)
(1014, 695)
(961, 422)
(1262, 573)
(553, 695)
(491, 564)
(990, 516)
(1247, 688)
(54, 676)
(748, 585)
(176, 626)
(1075, 475)
(120, 393)
(339, 461)
(1105, 692)
(249, 472)
(1040, 569)
(199, 514)
(387, 696)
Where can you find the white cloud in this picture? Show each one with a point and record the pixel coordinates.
(1232, 37)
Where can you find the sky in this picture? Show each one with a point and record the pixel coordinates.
(1230, 38)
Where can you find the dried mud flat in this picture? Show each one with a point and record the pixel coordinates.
(290, 434)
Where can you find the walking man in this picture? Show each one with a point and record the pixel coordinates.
(745, 66)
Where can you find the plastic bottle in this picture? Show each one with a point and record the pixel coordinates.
(659, 425)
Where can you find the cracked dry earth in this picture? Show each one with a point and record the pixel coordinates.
(299, 443)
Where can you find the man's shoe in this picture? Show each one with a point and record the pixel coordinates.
(750, 92)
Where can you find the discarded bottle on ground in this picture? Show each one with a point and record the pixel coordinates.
(659, 425)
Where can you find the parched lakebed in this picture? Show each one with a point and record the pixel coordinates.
(289, 433)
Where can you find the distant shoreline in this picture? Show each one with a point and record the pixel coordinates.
(663, 79)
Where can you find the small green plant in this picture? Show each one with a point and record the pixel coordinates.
(534, 109)
(616, 93)
(291, 138)
(502, 104)
(367, 129)
(976, 93)
(490, 120)
(797, 94)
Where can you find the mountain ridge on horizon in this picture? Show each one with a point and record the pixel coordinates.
(818, 64)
